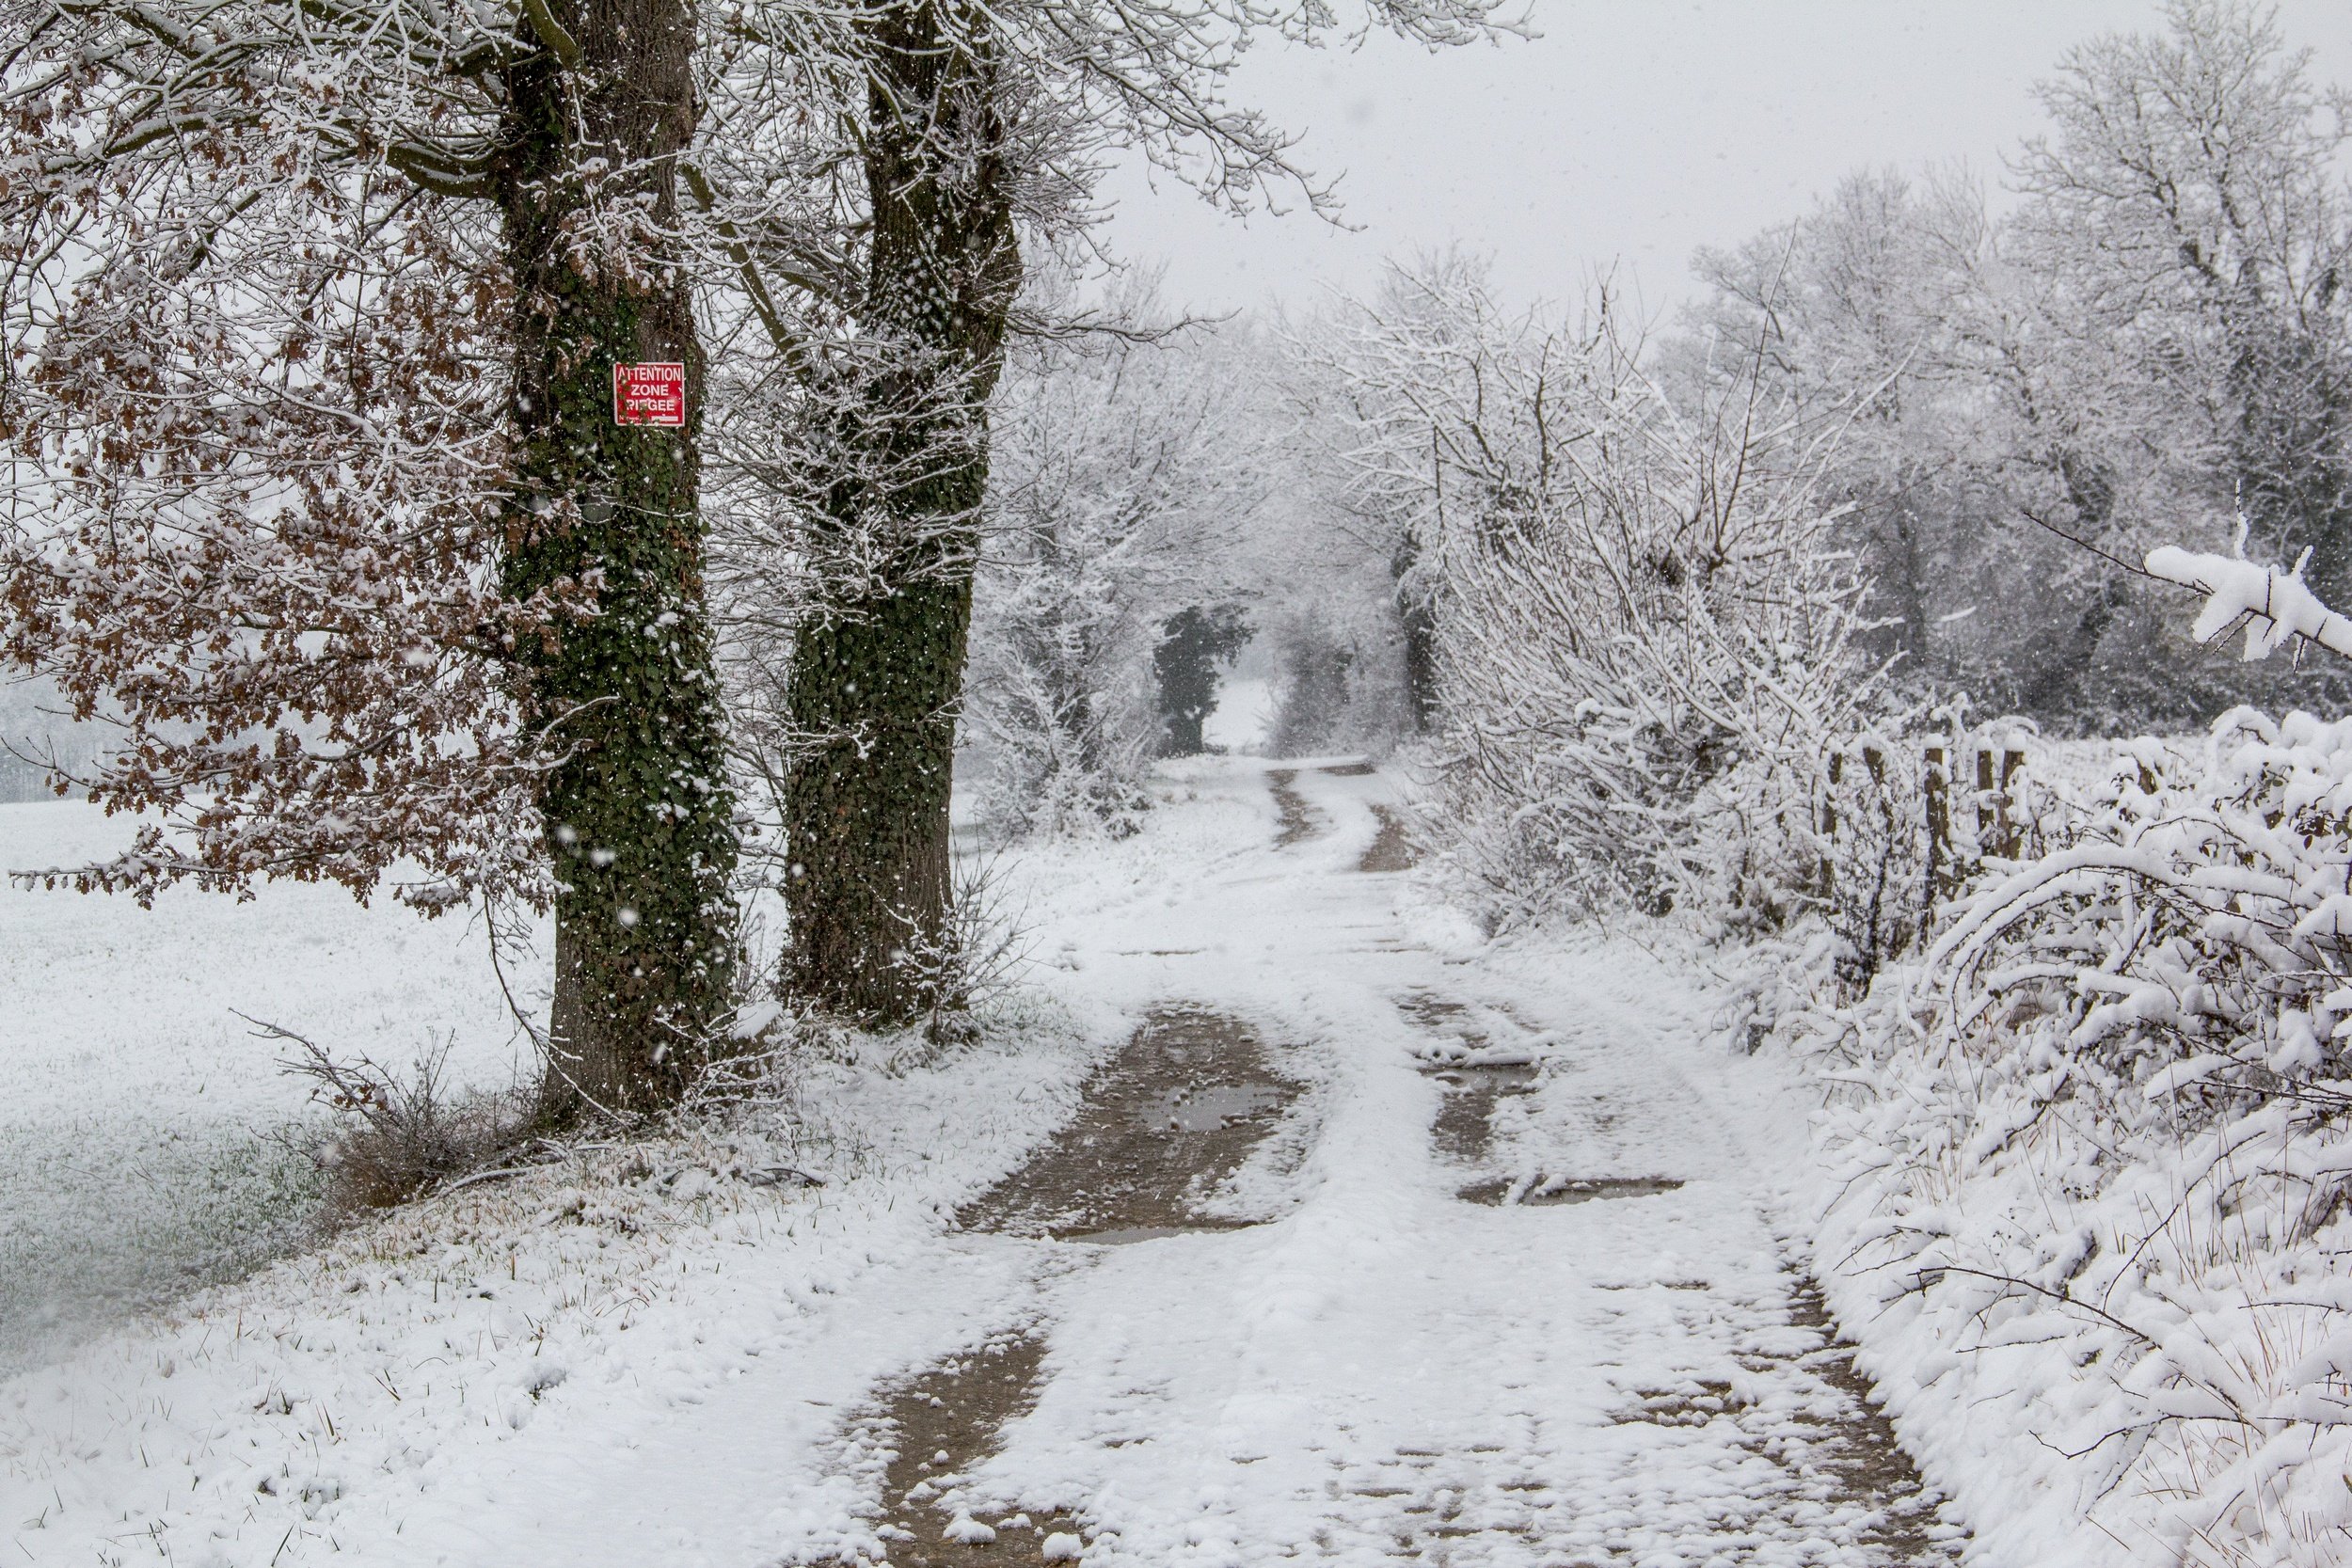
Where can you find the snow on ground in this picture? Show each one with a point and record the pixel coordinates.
(1389, 1371)
(616, 1364)
(141, 1122)
(654, 1355)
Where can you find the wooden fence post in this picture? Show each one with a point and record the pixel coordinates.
(1985, 826)
(1829, 823)
(2010, 839)
(1939, 783)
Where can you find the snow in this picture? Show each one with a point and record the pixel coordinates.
(648, 1357)
(2275, 606)
(132, 1093)
(1243, 715)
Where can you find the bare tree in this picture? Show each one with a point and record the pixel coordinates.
(2153, 341)
(2190, 203)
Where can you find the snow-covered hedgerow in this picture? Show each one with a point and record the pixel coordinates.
(1645, 631)
(2087, 1166)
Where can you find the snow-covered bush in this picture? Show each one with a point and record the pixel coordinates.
(1645, 630)
(2091, 1152)
(2192, 938)
(400, 1135)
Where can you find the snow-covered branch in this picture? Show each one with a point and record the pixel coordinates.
(2275, 605)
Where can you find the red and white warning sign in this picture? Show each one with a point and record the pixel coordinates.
(649, 394)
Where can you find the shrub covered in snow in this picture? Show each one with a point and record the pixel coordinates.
(2089, 1160)
(1645, 631)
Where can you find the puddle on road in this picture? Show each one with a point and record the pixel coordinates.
(1441, 1015)
(1391, 848)
(1300, 820)
(1465, 1125)
(1529, 1190)
(1166, 1123)
(1349, 771)
(1214, 1108)
(940, 1424)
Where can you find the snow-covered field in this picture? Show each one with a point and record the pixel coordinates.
(143, 1127)
(668, 1354)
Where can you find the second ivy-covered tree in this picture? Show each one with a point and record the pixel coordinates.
(877, 664)
(977, 130)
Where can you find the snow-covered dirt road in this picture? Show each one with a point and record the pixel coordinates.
(1365, 1243)
(1518, 1298)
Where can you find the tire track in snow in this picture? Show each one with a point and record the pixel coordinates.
(1793, 1394)
(1299, 821)
(1389, 1373)
(1160, 1130)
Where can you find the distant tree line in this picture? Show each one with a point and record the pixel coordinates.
(2152, 344)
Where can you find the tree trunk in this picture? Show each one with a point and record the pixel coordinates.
(2055, 689)
(878, 666)
(607, 520)
(1417, 619)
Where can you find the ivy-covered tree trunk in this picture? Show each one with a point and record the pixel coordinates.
(606, 518)
(878, 665)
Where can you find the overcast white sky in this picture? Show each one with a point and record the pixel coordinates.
(1630, 133)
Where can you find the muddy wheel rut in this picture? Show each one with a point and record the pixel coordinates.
(1392, 848)
(940, 1424)
(1869, 1464)
(1850, 1462)
(1465, 1126)
(1162, 1128)
(1297, 820)
(1475, 1088)
(1542, 1191)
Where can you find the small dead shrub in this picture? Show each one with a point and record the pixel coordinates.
(400, 1136)
(974, 959)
